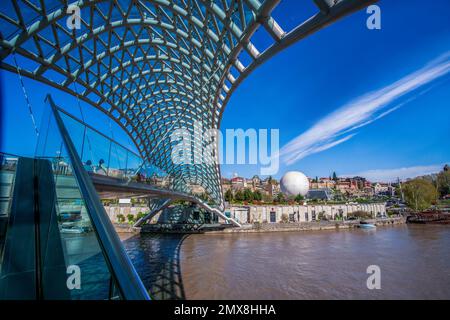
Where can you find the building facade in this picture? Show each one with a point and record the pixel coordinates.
(301, 213)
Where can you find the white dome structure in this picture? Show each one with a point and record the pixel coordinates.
(294, 183)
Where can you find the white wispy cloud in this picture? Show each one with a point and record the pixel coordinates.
(328, 132)
(390, 175)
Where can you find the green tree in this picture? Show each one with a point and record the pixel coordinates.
(248, 195)
(257, 195)
(299, 198)
(120, 218)
(443, 182)
(419, 193)
(239, 196)
(130, 218)
(229, 195)
(335, 178)
(140, 215)
(280, 198)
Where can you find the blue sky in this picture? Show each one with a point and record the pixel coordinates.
(346, 99)
(306, 84)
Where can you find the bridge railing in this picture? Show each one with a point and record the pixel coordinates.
(101, 154)
(88, 238)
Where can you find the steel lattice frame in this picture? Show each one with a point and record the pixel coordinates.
(153, 66)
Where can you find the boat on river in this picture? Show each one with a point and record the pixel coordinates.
(366, 225)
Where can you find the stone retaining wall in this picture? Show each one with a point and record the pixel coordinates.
(308, 226)
(113, 211)
(301, 213)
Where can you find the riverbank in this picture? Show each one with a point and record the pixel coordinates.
(430, 217)
(308, 226)
(125, 228)
(271, 227)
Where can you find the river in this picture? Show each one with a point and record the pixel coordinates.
(414, 261)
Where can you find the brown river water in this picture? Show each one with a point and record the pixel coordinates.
(414, 261)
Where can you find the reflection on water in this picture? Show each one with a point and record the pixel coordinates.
(157, 260)
(414, 262)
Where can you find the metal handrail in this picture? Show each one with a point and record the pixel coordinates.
(128, 281)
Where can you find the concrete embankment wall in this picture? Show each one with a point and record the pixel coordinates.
(266, 213)
(284, 227)
(308, 226)
(301, 213)
(114, 211)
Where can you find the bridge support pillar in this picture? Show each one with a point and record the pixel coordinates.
(152, 213)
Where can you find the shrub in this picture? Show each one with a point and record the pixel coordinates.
(120, 218)
(130, 218)
(284, 218)
(299, 198)
(140, 215)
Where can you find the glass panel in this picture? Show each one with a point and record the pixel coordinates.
(81, 250)
(104, 156)
(77, 133)
(8, 165)
(118, 161)
(96, 152)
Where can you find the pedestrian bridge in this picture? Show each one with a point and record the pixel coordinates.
(118, 172)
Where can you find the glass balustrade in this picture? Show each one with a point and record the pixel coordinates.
(56, 241)
(101, 155)
(8, 165)
(81, 247)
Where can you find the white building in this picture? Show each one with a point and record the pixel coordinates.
(381, 188)
(301, 213)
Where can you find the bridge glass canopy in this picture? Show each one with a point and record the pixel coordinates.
(152, 66)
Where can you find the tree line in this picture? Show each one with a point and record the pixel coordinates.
(422, 192)
(247, 195)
